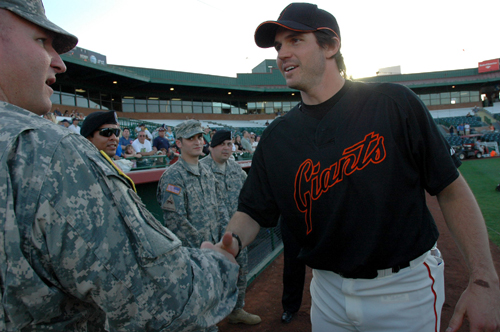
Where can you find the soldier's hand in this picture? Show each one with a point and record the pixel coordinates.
(226, 242)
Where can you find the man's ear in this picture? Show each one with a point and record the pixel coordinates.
(332, 49)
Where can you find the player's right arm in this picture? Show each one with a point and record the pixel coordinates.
(245, 227)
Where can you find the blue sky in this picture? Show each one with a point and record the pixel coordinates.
(216, 36)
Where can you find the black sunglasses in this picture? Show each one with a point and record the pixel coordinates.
(107, 132)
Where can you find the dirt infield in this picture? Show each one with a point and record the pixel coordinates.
(264, 294)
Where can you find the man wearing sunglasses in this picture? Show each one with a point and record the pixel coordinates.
(143, 146)
(101, 128)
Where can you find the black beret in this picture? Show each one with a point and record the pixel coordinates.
(94, 120)
(220, 136)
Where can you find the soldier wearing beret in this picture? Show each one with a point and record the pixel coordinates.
(79, 251)
(189, 194)
(231, 176)
(102, 129)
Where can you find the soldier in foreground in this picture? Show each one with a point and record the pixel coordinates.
(79, 251)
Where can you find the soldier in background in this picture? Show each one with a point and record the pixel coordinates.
(231, 177)
(189, 194)
(80, 251)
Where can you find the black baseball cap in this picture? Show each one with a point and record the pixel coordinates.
(302, 17)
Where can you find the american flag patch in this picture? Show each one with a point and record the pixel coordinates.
(173, 189)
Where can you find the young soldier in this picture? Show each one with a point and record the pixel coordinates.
(190, 196)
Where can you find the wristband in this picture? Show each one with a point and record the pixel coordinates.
(239, 244)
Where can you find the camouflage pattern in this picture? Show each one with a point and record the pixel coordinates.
(232, 179)
(188, 129)
(33, 11)
(192, 203)
(80, 252)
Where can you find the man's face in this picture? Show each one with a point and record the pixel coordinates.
(66, 124)
(126, 133)
(142, 137)
(300, 59)
(28, 64)
(75, 123)
(222, 152)
(161, 133)
(191, 147)
(106, 144)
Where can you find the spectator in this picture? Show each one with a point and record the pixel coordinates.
(161, 143)
(57, 113)
(125, 138)
(467, 128)
(206, 134)
(144, 129)
(175, 154)
(74, 126)
(64, 123)
(452, 130)
(129, 152)
(245, 142)
(143, 146)
(76, 239)
(460, 129)
(102, 130)
(51, 117)
(170, 136)
(237, 143)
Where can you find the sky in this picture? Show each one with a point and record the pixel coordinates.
(215, 37)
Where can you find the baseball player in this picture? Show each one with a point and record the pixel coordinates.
(351, 189)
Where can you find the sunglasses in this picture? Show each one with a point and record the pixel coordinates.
(108, 132)
(142, 135)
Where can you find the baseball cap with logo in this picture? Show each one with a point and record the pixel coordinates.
(34, 12)
(188, 129)
(301, 17)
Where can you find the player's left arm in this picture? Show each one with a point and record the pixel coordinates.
(481, 300)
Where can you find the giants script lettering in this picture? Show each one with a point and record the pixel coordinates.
(310, 184)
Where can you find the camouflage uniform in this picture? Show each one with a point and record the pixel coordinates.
(192, 203)
(79, 250)
(193, 206)
(232, 179)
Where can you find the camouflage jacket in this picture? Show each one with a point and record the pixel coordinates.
(232, 180)
(192, 203)
(79, 250)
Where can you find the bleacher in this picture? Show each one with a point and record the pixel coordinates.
(474, 121)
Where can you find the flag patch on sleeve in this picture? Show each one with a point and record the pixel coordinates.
(174, 189)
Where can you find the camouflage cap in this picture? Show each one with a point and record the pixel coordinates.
(188, 129)
(33, 11)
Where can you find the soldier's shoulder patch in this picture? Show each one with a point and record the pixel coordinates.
(169, 204)
(174, 189)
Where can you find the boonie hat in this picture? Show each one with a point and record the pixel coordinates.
(188, 129)
(94, 120)
(302, 17)
(33, 11)
(220, 136)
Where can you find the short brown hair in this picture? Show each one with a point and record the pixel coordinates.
(325, 39)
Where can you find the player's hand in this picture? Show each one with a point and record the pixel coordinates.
(481, 304)
(222, 246)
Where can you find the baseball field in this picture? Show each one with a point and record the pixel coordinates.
(264, 294)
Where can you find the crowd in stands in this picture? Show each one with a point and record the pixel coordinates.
(138, 142)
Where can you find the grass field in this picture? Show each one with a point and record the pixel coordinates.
(483, 176)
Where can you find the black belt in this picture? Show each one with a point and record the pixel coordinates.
(369, 273)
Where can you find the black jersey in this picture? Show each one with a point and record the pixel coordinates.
(351, 186)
